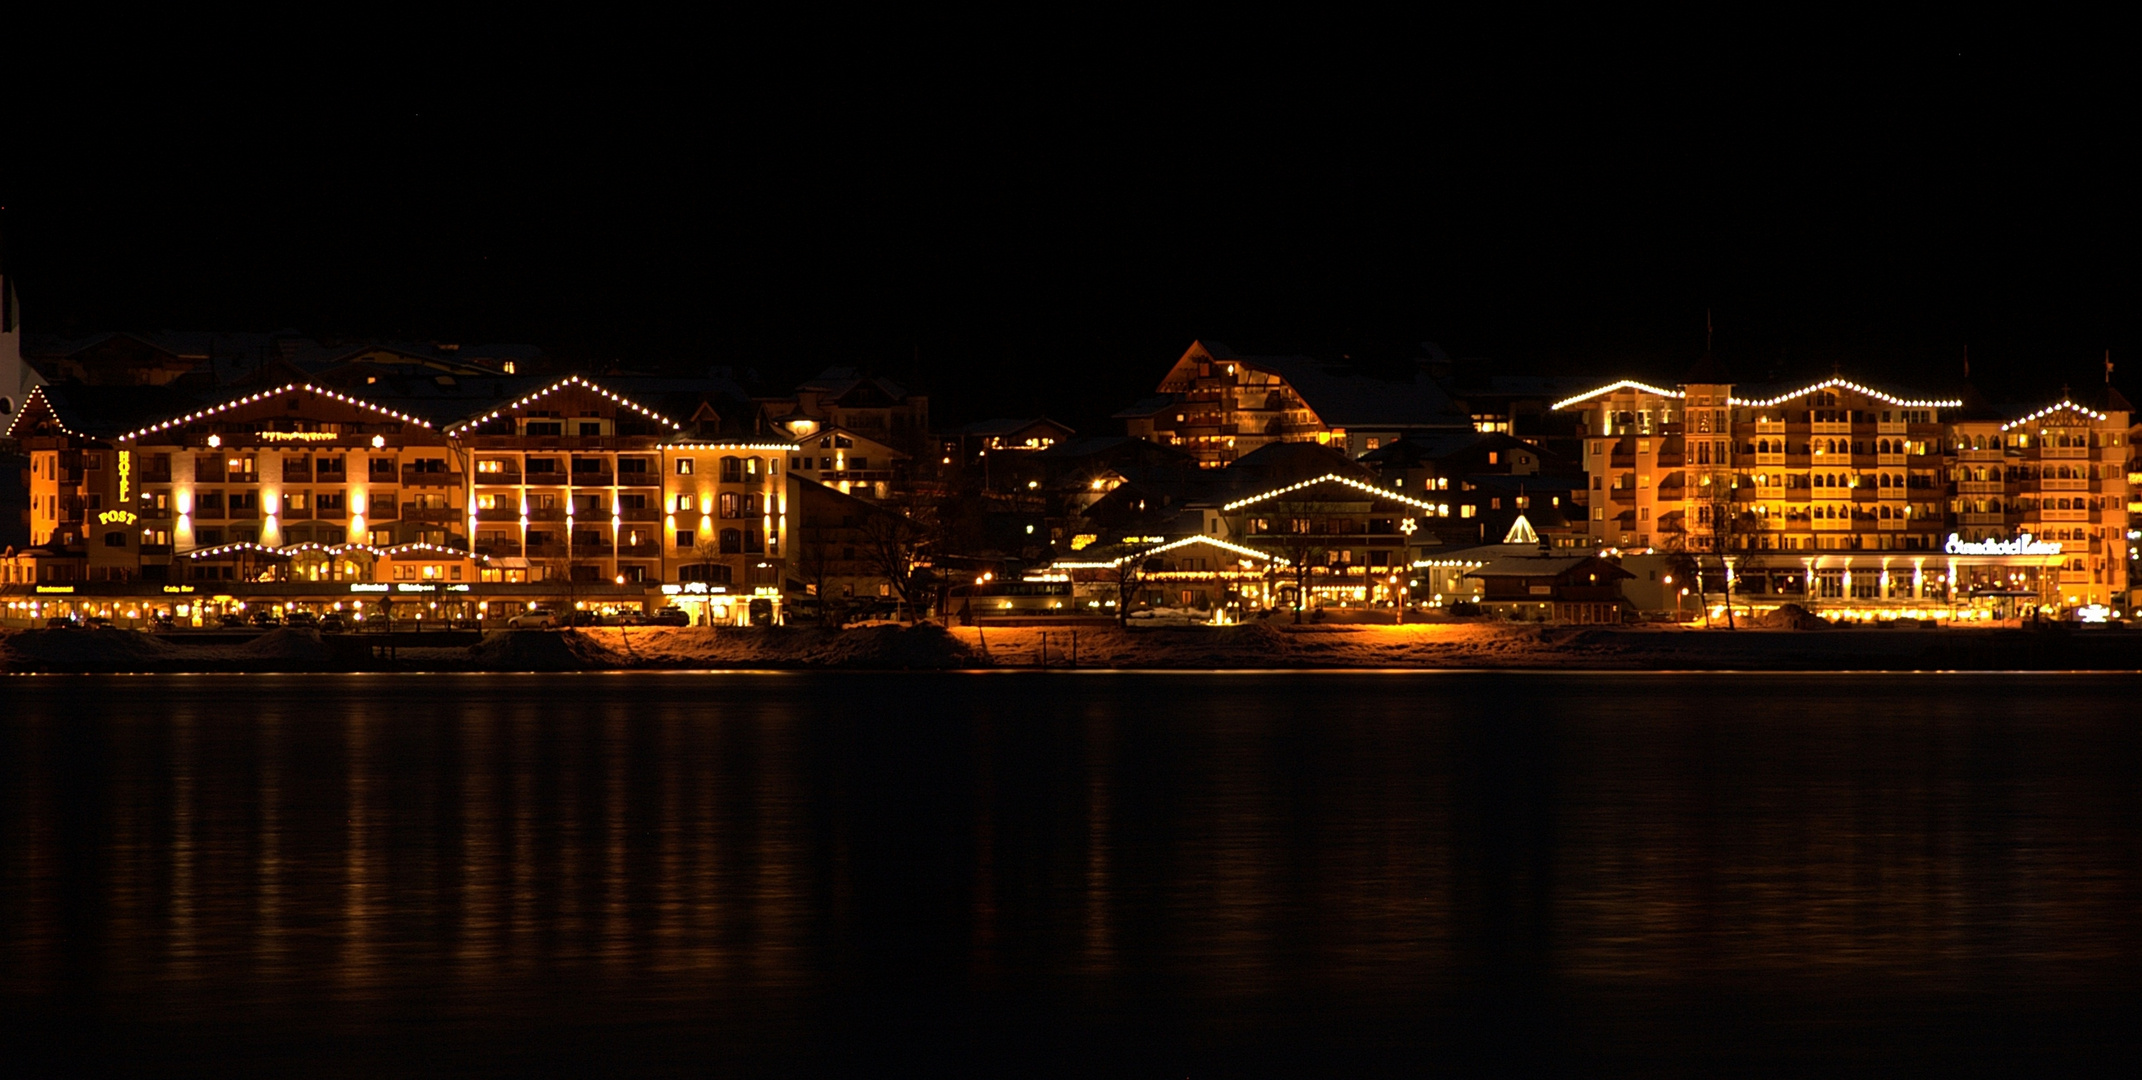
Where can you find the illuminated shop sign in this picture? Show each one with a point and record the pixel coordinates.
(116, 517)
(55, 588)
(367, 586)
(178, 588)
(412, 587)
(298, 436)
(693, 587)
(2023, 544)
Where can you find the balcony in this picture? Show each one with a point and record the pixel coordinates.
(301, 513)
(427, 478)
(381, 512)
(500, 513)
(544, 513)
(503, 476)
(592, 479)
(640, 513)
(639, 479)
(650, 550)
(208, 513)
(297, 476)
(415, 512)
(551, 478)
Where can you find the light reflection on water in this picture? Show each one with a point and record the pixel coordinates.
(1153, 872)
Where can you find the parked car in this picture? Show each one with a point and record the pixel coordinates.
(98, 622)
(580, 618)
(63, 622)
(333, 623)
(162, 621)
(232, 618)
(536, 618)
(670, 616)
(303, 618)
(264, 617)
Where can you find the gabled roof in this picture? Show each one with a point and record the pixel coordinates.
(1779, 393)
(556, 385)
(838, 382)
(808, 442)
(101, 412)
(2063, 404)
(1341, 398)
(263, 395)
(1003, 425)
(1114, 555)
(1773, 394)
(1358, 487)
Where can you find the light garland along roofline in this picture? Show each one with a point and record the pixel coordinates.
(332, 549)
(775, 447)
(37, 392)
(2064, 403)
(1384, 493)
(249, 399)
(1110, 564)
(569, 380)
(1620, 384)
(1855, 387)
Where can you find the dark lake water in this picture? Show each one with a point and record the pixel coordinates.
(1087, 874)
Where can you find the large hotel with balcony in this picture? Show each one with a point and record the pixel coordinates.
(567, 492)
(1865, 501)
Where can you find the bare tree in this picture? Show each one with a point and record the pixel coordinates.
(1720, 519)
(814, 564)
(1298, 531)
(893, 544)
(1130, 573)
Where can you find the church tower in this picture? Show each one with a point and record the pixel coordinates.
(17, 379)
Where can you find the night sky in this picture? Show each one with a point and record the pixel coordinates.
(984, 209)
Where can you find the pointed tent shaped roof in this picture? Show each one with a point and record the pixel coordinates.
(1521, 532)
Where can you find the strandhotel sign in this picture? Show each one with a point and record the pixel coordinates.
(2023, 544)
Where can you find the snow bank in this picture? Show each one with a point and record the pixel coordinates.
(542, 650)
(84, 650)
(926, 646)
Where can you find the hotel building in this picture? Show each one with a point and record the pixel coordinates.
(1842, 496)
(568, 491)
(1221, 406)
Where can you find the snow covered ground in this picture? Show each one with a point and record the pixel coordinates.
(1263, 645)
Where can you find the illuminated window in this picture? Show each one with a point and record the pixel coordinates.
(684, 466)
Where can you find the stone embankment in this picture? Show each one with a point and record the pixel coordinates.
(1260, 646)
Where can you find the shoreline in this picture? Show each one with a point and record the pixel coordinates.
(1257, 647)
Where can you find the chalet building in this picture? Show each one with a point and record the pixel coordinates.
(2058, 474)
(1346, 538)
(851, 463)
(1193, 573)
(835, 568)
(1520, 405)
(989, 451)
(1839, 495)
(82, 493)
(1221, 406)
(1552, 588)
(843, 397)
